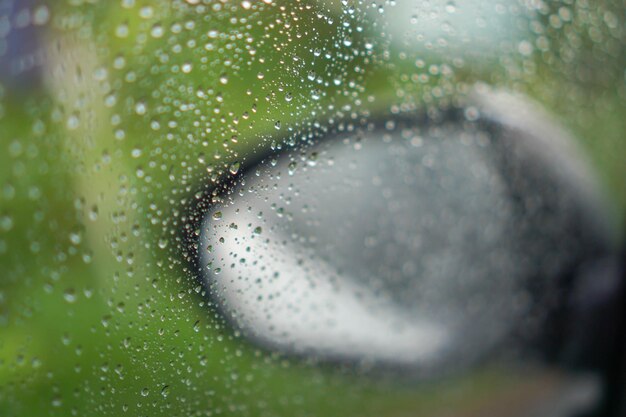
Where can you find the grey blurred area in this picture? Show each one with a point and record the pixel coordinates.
(421, 245)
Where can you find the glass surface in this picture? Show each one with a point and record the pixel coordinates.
(312, 208)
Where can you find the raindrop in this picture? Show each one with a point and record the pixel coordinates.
(292, 167)
(73, 122)
(93, 213)
(141, 108)
(234, 168)
(122, 30)
(75, 238)
(41, 15)
(69, 295)
(187, 67)
(146, 12)
(157, 30)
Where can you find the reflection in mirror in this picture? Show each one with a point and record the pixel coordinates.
(413, 242)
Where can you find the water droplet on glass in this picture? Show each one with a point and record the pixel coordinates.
(234, 168)
(187, 67)
(69, 295)
(141, 108)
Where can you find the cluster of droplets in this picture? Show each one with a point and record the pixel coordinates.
(129, 119)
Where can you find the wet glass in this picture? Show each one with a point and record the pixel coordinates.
(291, 208)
